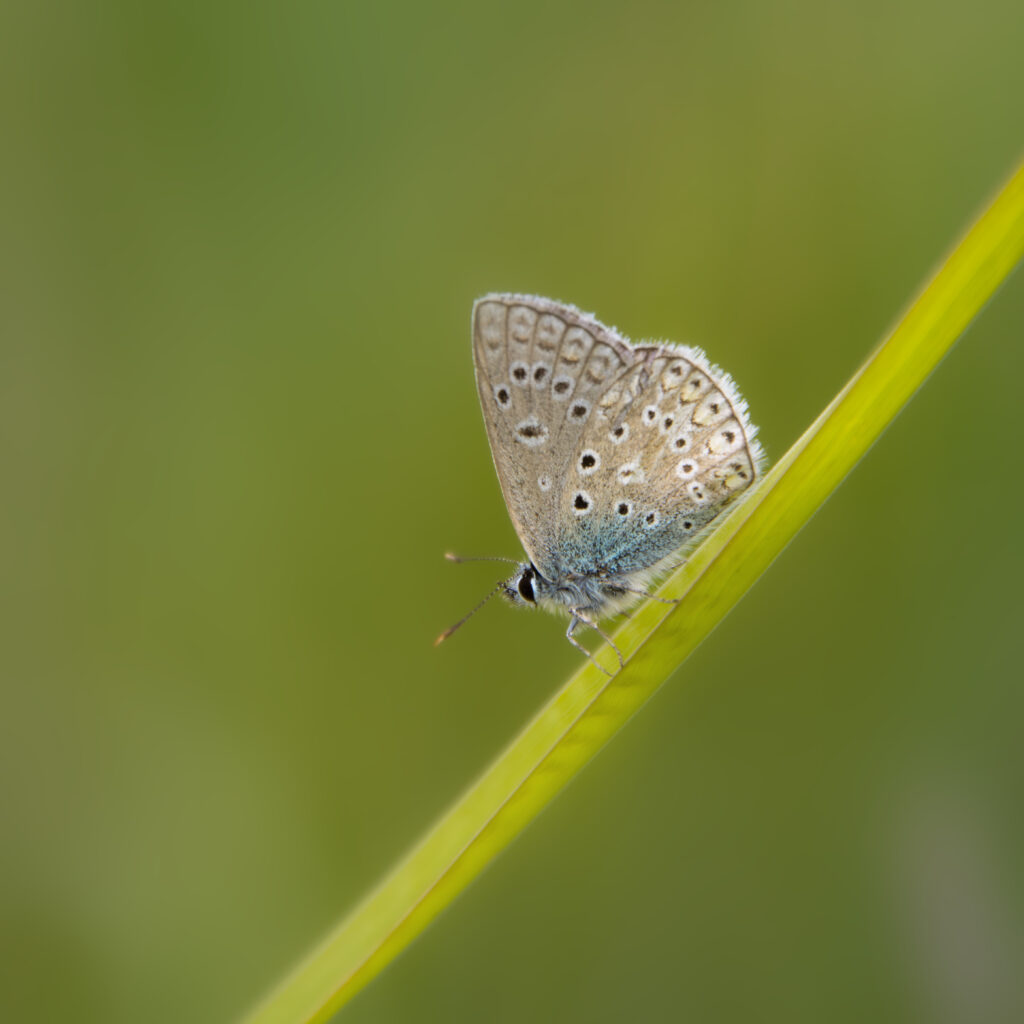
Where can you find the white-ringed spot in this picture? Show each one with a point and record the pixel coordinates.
(562, 387)
(695, 386)
(579, 410)
(581, 502)
(531, 432)
(725, 439)
(711, 411)
(630, 473)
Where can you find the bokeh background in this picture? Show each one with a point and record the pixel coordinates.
(238, 429)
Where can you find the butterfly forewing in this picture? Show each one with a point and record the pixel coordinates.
(610, 456)
(541, 369)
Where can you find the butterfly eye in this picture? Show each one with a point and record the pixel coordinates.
(526, 586)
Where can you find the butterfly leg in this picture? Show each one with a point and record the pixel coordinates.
(573, 623)
(578, 616)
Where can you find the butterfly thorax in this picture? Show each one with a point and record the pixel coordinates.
(600, 594)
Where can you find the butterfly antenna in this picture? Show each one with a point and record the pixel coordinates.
(458, 559)
(451, 629)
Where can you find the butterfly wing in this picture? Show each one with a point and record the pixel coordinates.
(670, 447)
(542, 370)
(610, 456)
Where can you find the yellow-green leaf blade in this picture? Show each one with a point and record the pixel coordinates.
(590, 708)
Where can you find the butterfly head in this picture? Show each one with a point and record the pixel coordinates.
(525, 586)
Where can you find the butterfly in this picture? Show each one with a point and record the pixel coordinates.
(611, 456)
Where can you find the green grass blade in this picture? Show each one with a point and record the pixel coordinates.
(591, 708)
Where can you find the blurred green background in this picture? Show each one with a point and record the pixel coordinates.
(238, 429)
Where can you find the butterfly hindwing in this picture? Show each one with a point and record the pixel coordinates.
(658, 464)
